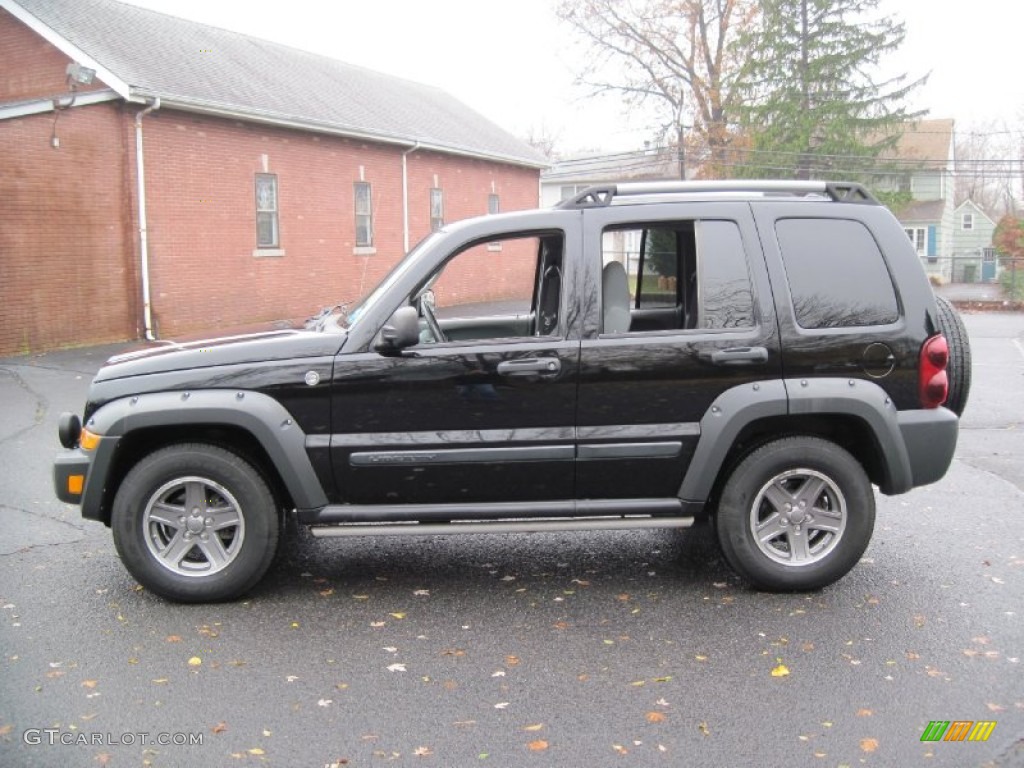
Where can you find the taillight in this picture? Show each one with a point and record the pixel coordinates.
(932, 381)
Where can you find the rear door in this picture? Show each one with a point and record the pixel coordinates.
(700, 322)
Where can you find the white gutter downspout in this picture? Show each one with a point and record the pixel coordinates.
(405, 197)
(140, 174)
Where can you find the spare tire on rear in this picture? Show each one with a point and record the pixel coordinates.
(959, 368)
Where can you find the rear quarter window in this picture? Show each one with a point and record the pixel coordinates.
(837, 275)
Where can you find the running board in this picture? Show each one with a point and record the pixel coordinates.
(502, 510)
(499, 526)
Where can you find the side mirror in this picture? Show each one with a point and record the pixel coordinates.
(400, 331)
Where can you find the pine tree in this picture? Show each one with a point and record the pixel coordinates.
(813, 108)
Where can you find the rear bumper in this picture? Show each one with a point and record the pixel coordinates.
(930, 438)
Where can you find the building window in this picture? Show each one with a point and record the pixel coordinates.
(493, 204)
(967, 221)
(571, 190)
(919, 237)
(364, 214)
(436, 209)
(267, 231)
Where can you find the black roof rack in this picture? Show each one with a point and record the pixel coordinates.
(603, 195)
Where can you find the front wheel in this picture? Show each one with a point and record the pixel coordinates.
(796, 514)
(195, 523)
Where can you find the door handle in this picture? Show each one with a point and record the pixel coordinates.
(739, 356)
(530, 365)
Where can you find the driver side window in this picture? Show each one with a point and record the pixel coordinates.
(483, 293)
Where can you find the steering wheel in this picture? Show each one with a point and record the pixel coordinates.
(432, 324)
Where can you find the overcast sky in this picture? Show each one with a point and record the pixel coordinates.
(514, 62)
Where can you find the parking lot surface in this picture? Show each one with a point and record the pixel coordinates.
(581, 649)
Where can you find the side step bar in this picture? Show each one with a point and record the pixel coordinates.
(498, 526)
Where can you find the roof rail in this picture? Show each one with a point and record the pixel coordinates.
(603, 195)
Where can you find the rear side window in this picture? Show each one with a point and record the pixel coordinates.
(682, 275)
(837, 276)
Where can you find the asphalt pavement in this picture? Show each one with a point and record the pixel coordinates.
(583, 649)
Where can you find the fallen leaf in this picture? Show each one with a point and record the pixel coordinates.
(220, 727)
(780, 671)
(703, 726)
(869, 745)
(421, 592)
(511, 660)
(195, 661)
(995, 708)
(537, 746)
(701, 657)
(501, 705)
(89, 683)
(160, 680)
(256, 751)
(173, 638)
(396, 668)
(103, 758)
(422, 751)
(325, 702)
(398, 615)
(534, 727)
(6, 729)
(864, 712)
(655, 717)
(620, 749)
(327, 592)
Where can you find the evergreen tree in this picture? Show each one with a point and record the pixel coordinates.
(813, 108)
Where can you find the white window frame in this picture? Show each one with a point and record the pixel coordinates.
(363, 213)
(967, 221)
(918, 238)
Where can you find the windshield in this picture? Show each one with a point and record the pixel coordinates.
(350, 312)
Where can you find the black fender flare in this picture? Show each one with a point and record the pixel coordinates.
(258, 414)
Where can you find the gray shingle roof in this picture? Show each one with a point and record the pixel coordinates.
(196, 66)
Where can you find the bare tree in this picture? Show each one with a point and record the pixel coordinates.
(681, 56)
(988, 167)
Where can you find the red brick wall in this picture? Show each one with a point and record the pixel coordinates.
(29, 66)
(69, 247)
(200, 175)
(66, 272)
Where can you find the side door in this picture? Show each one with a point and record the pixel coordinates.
(482, 409)
(685, 315)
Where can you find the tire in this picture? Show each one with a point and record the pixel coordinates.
(959, 367)
(810, 474)
(195, 523)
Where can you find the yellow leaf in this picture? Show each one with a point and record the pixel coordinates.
(295, 625)
(780, 671)
(398, 615)
(195, 661)
(160, 680)
(869, 745)
(701, 657)
(704, 728)
(534, 727)
(537, 746)
(89, 683)
(256, 751)
(655, 717)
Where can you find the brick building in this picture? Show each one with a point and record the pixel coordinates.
(274, 181)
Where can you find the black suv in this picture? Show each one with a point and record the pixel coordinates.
(640, 356)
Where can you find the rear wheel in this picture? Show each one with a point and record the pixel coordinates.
(796, 514)
(195, 523)
(959, 367)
